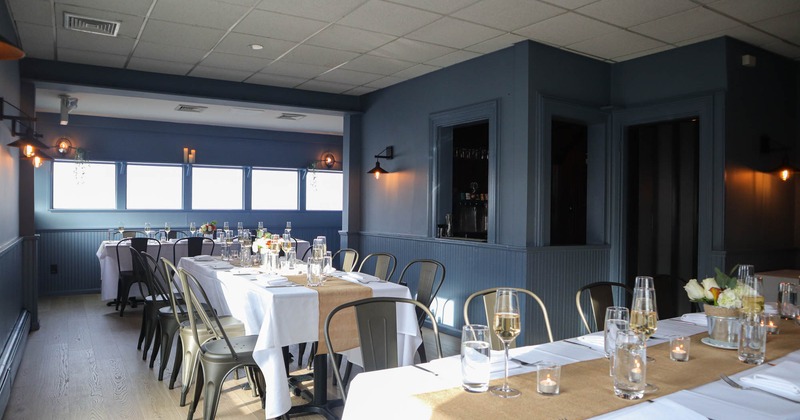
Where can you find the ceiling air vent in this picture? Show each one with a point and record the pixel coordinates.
(90, 25)
(190, 108)
(290, 116)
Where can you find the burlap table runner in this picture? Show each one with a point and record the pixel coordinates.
(587, 389)
(344, 331)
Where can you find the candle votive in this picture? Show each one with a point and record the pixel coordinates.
(548, 378)
(679, 349)
(771, 323)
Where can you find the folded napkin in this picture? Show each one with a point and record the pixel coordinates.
(279, 282)
(593, 340)
(660, 409)
(782, 379)
(243, 271)
(203, 258)
(497, 362)
(220, 265)
(698, 318)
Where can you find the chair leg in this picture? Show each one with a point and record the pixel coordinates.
(214, 378)
(189, 371)
(300, 354)
(143, 332)
(421, 351)
(150, 334)
(311, 356)
(176, 365)
(166, 348)
(156, 345)
(347, 371)
(198, 390)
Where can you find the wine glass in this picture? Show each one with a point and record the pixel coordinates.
(121, 227)
(147, 229)
(166, 229)
(753, 295)
(288, 227)
(507, 327)
(286, 245)
(192, 228)
(644, 319)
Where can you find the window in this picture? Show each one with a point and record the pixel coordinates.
(217, 188)
(155, 187)
(324, 190)
(274, 189)
(84, 185)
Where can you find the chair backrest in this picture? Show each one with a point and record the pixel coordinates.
(377, 331)
(194, 246)
(144, 274)
(305, 254)
(385, 265)
(133, 234)
(488, 296)
(601, 295)
(170, 272)
(430, 280)
(139, 244)
(196, 300)
(349, 258)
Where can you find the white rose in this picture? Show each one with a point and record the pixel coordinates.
(708, 284)
(694, 290)
(728, 299)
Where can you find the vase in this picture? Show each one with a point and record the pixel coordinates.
(723, 325)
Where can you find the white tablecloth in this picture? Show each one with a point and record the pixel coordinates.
(285, 316)
(391, 392)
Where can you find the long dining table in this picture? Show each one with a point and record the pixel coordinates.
(283, 314)
(688, 390)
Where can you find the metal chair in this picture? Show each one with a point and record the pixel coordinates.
(305, 254)
(126, 279)
(155, 297)
(220, 355)
(427, 284)
(377, 332)
(488, 304)
(349, 258)
(194, 246)
(385, 264)
(601, 295)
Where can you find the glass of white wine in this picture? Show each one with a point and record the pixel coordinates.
(121, 227)
(192, 228)
(286, 245)
(644, 319)
(507, 327)
(166, 230)
(753, 295)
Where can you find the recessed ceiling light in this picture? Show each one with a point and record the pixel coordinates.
(256, 46)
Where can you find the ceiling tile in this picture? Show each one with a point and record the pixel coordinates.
(416, 71)
(318, 56)
(235, 62)
(566, 29)
(444, 7)
(615, 44)
(37, 41)
(168, 53)
(91, 57)
(274, 25)
(358, 91)
(642, 53)
(38, 12)
(349, 39)
(285, 68)
(208, 13)
(787, 27)
(742, 33)
(171, 33)
(275, 80)
(753, 11)
(508, 15)
(89, 42)
(626, 13)
(496, 43)
(328, 11)
(321, 86)
(388, 18)
(246, 3)
(784, 49)
(452, 58)
(378, 65)
(349, 77)
(572, 4)
(685, 25)
(454, 33)
(136, 8)
(239, 44)
(411, 50)
(129, 25)
(220, 74)
(159, 66)
(385, 82)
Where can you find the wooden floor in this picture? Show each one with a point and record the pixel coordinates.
(83, 364)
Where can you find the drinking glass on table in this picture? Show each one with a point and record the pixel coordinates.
(121, 227)
(617, 319)
(507, 327)
(753, 294)
(166, 229)
(475, 358)
(147, 229)
(192, 228)
(286, 245)
(644, 319)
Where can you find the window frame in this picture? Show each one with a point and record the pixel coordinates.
(243, 173)
(306, 189)
(126, 180)
(88, 162)
(296, 173)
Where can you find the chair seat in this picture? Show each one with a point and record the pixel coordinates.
(218, 350)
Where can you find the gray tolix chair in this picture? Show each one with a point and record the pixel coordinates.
(385, 264)
(601, 296)
(489, 296)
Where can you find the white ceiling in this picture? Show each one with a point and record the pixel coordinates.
(357, 46)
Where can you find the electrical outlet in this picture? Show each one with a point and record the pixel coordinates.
(53, 268)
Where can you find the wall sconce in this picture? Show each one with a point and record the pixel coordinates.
(63, 145)
(387, 153)
(9, 51)
(328, 159)
(785, 169)
(188, 156)
(68, 103)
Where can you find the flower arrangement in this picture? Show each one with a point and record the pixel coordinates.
(722, 290)
(209, 227)
(261, 245)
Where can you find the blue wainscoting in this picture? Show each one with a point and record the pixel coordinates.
(11, 286)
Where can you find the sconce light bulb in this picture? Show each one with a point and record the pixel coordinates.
(784, 174)
(377, 175)
(37, 162)
(28, 150)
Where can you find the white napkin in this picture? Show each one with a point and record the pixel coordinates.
(498, 360)
(782, 379)
(203, 258)
(660, 409)
(280, 282)
(220, 265)
(242, 271)
(593, 340)
(698, 318)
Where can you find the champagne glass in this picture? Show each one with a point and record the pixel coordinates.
(287, 243)
(166, 229)
(753, 295)
(260, 231)
(644, 319)
(507, 327)
(288, 227)
(192, 228)
(226, 227)
(121, 227)
(147, 229)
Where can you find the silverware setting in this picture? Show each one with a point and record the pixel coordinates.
(524, 363)
(736, 385)
(584, 345)
(426, 370)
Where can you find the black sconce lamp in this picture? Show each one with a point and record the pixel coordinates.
(9, 51)
(29, 146)
(387, 153)
(785, 169)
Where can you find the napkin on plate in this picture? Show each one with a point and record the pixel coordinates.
(593, 340)
(279, 282)
(220, 265)
(782, 379)
(203, 258)
(698, 318)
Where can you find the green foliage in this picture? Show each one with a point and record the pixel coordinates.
(726, 281)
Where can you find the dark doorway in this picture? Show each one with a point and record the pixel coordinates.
(568, 183)
(662, 209)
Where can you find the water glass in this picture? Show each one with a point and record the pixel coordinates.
(475, 357)
(548, 378)
(630, 365)
(272, 262)
(752, 338)
(787, 300)
(617, 319)
(327, 263)
(314, 272)
(317, 250)
(147, 229)
(291, 257)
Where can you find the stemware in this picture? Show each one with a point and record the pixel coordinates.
(644, 319)
(192, 228)
(753, 295)
(166, 228)
(147, 229)
(121, 227)
(507, 327)
(286, 245)
(288, 227)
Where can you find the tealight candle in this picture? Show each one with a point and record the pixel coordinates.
(679, 349)
(771, 323)
(548, 375)
(636, 373)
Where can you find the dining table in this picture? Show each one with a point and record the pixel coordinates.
(687, 390)
(282, 311)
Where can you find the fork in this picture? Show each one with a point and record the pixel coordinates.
(524, 363)
(736, 385)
